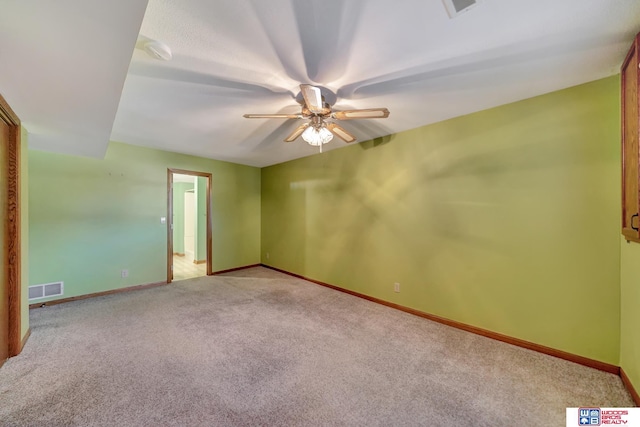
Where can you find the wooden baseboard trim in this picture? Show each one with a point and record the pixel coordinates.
(97, 294)
(229, 270)
(627, 383)
(602, 366)
(130, 288)
(201, 261)
(178, 254)
(25, 339)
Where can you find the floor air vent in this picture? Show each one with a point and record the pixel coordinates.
(47, 290)
(456, 7)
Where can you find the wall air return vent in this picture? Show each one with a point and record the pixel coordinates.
(456, 7)
(46, 290)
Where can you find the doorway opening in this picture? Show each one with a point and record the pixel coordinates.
(188, 225)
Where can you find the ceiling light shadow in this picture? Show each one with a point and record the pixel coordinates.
(276, 136)
(169, 73)
(327, 32)
(501, 57)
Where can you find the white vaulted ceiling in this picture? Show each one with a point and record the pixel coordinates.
(63, 64)
(70, 70)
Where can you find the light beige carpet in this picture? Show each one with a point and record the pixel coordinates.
(258, 348)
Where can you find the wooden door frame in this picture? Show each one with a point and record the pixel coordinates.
(170, 172)
(13, 227)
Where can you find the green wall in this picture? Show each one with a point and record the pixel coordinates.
(24, 231)
(201, 219)
(506, 219)
(178, 215)
(91, 218)
(630, 312)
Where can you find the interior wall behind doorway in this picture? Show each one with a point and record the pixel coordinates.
(179, 188)
(191, 231)
(200, 190)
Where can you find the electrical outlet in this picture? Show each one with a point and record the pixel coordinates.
(267, 255)
(396, 287)
(124, 273)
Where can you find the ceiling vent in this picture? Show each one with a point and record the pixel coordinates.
(456, 7)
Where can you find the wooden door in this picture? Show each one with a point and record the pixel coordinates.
(4, 282)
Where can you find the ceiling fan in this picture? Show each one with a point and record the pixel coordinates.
(320, 127)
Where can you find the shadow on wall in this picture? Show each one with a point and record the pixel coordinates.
(376, 142)
(452, 194)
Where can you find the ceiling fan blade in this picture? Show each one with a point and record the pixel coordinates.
(272, 116)
(340, 132)
(312, 98)
(296, 133)
(368, 113)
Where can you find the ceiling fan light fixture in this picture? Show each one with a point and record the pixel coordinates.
(320, 128)
(317, 136)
